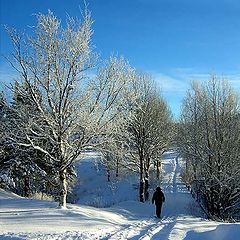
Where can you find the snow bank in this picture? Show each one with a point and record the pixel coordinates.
(221, 232)
(7, 195)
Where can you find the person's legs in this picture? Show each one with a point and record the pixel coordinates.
(158, 210)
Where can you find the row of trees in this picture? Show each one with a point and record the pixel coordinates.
(209, 139)
(150, 132)
(62, 105)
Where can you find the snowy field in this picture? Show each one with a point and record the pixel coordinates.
(22, 218)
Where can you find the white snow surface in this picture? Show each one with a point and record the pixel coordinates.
(22, 218)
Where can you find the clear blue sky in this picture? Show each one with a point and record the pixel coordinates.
(176, 41)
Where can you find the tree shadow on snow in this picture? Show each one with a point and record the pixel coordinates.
(157, 231)
(221, 232)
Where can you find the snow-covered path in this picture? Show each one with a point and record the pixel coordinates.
(22, 218)
(180, 212)
(178, 200)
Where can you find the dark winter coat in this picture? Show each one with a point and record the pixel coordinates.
(158, 197)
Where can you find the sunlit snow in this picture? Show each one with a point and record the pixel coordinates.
(22, 218)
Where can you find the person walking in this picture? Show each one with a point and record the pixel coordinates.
(159, 199)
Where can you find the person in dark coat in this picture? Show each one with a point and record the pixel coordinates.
(159, 199)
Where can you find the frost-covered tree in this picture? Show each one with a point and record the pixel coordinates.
(4, 150)
(210, 139)
(20, 168)
(65, 110)
(148, 132)
(109, 107)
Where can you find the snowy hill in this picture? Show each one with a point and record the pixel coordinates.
(93, 189)
(22, 218)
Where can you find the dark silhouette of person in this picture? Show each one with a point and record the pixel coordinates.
(159, 199)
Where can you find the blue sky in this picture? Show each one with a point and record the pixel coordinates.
(176, 41)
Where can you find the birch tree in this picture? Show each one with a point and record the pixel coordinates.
(66, 110)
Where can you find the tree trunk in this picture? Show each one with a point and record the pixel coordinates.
(146, 193)
(108, 174)
(141, 186)
(108, 167)
(26, 186)
(141, 190)
(63, 189)
(146, 171)
(117, 168)
(158, 169)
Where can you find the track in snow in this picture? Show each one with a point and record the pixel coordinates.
(178, 203)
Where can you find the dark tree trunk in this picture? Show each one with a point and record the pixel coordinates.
(108, 166)
(146, 171)
(26, 186)
(141, 186)
(158, 169)
(146, 193)
(117, 168)
(108, 174)
(141, 190)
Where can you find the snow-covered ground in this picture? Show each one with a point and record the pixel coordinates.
(92, 188)
(22, 218)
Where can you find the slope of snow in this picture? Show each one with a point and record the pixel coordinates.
(93, 189)
(22, 218)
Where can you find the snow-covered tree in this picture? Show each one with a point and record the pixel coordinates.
(4, 150)
(19, 167)
(109, 106)
(210, 139)
(65, 110)
(148, 131)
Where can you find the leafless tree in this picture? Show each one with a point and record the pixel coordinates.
(65, 109)
(209, 139)
(148, 131)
